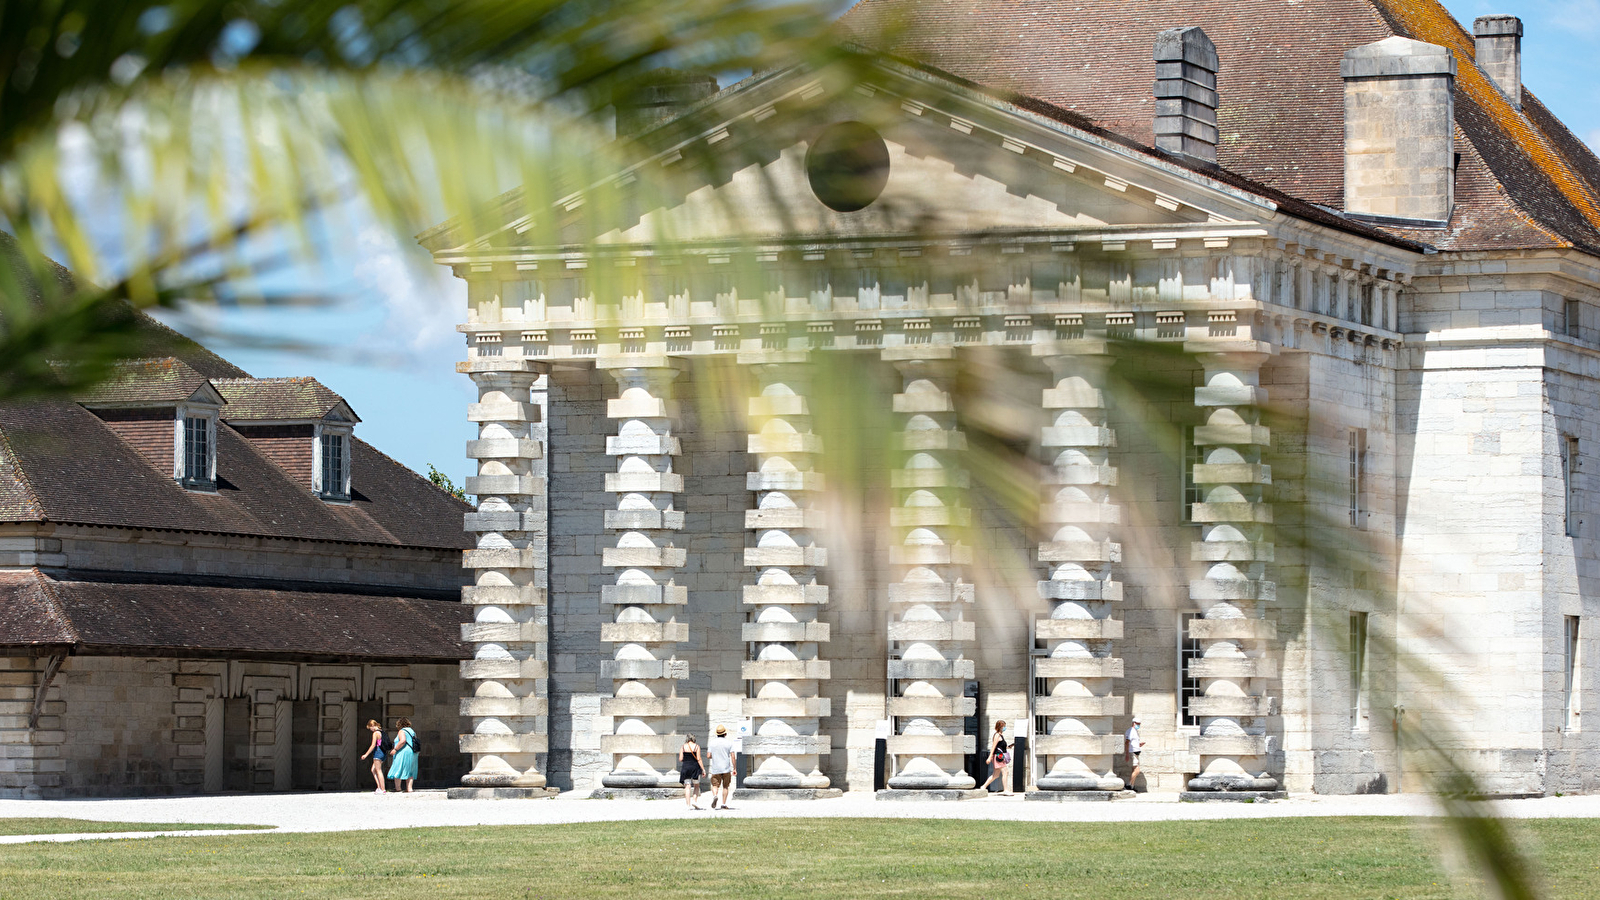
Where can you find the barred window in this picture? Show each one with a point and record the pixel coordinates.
(334, 474)
(199, 452)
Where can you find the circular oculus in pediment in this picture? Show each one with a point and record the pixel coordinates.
(848, 166)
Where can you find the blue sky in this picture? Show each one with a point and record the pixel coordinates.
(390, 347)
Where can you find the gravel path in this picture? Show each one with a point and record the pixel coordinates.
(354, 812)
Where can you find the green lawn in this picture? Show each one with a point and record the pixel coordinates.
(811, 858)
(88, 826)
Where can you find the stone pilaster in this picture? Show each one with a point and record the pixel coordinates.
(508, 708)
(647, 602)
(1236, 665)
(928, 629)
(784, 635)
(1080, 740)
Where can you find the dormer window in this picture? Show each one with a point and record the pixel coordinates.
(331, 468)
(195, 452)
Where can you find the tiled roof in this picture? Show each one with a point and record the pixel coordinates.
(275, 398)
(1524, 180)
(154, 381)
(118, 616)
(76, 469)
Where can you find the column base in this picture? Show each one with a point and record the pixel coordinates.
(1077, 796)
(931, 794)
(1234, 796)
(641, 793)
(501, 793)
(743, 794)
(1235, 783)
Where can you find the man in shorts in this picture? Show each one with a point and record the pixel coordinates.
(1132, 747)
(723, 755)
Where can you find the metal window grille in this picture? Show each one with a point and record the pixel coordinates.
(333, 465)
(1188, 687)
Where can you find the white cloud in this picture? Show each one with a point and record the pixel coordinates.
(422, 301)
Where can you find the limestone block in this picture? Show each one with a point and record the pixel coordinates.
(911, 441)
(929, 478)
(1083, 707)
(1078, 667)
(644, 632)
(787, 632)
(1080, 474)
(925, 516)
(504, 595)
(1228, 745)
(1209, 589)
(496, 669)
(504, 632)
(1074, 397)
(784, 481)
(1109, 591)
(932, 744)
(1230, 395)
(1080, 513)
(503, 411)
(785, 556)
(644, 482)
(932, 593)
(1209, 435)
(1078, 436)
(504, 743)
(786, 707)
(1077, 744)
(771, 407)
(644, 707)
(788, 744)
(1080, 551)
(1208, 513)
(1233, 629)
(644, 594)
(643, 669)
(787, 594)
(1230, 706)
(921, 630)
(644, 445)
(1078, 629)
(965, 669)
(784, 669)
(640, 744)
(509, 707)
(783, 518)
(505, 485)
(1236, 473)
(644, 519)
(929, 402)
(648, 557)
(938, 707)
(503, 521)
(641, 408)
(504, 448)
(1238, 667)
(502, 558)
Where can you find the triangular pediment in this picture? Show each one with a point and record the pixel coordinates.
(959, 162)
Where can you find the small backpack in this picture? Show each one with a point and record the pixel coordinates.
(412, 742)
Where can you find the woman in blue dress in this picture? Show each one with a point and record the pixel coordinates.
(404, 767)
(376, 752)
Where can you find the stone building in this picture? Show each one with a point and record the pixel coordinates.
(1366, 257)
(208, 583)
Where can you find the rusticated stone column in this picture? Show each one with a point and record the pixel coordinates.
(784, 634)
(508, 707)
(1236, 665)
(929, 629)
(1080, 739)
(647, 602)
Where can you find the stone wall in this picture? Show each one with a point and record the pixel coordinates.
(121, 726)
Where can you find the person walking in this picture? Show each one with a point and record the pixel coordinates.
(404, 766)
(375, 750)
(1132, 746)
(723, 756)
(690, 768)
(999, 757)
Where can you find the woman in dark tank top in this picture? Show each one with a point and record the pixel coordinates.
(999, 759)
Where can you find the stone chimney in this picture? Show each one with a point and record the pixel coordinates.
(1186, 93)
(1499, 53)
(667, 93)
(1399, 130)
